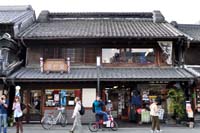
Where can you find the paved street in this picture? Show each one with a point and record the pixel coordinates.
(38, 129)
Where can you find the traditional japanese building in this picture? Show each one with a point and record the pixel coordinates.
(192, 61)
(114, 55)
(13, 19)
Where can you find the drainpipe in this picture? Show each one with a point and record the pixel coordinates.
(181, 50)
(4, 83)
(22, 40)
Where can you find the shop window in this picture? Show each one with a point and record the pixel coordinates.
(128, 55)
(61, 97)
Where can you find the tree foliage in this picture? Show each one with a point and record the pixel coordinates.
(178, 99)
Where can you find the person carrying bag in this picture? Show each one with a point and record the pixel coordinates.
(18, 114)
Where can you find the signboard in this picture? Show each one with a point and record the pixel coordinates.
(56, 97)
(55, 65)
(88, 96)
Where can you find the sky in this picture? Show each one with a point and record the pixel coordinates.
(182, 11)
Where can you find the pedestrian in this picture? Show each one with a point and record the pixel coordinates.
(36, 103)
(3, 113)
(154, 115)
(77, 117)
(18, 114)
(109, 107)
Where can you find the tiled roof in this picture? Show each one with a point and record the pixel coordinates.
(194, 70)
(100, 25)
(190, 29)
(12, 14)
(105, 74)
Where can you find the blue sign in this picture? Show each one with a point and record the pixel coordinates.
(63, 99)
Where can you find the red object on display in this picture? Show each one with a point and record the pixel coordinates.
(56, 91)
(77, 93)
(139, 111)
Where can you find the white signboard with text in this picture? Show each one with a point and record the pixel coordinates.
(88, 96)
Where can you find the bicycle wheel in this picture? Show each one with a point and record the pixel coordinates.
(114, 125)
(93, 126)
(47, 122)
(63, 121)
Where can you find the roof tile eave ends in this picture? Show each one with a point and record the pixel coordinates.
(53, 37)
(105, 73)
(172, 29)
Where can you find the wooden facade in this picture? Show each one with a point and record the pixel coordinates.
(84, 56)
(123, 52)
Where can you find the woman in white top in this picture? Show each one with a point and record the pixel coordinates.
(154, 115)
(77, 117)
(18, 114)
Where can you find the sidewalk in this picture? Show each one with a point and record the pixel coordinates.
(36, 128)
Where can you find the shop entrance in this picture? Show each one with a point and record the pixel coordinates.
(32, 98)
(131, 103)
(120, 98)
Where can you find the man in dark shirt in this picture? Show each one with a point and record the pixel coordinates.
(3, 113)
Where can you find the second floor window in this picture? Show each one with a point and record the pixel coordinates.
(128, 55)
(75, 54)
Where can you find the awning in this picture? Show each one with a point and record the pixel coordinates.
(105, 74)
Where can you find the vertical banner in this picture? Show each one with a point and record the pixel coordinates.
(166, 47)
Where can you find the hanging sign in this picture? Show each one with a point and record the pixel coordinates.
(166, 47)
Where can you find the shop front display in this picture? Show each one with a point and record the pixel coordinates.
(33, 101)
(149, 93)
(61, 97)
(43, 101)
(132, 104)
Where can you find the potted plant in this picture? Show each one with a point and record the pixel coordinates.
(178, 99)
(11, 121)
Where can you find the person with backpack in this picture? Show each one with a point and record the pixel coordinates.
(78, 110)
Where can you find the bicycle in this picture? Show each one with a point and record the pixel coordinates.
(50, 119)
(111, 123)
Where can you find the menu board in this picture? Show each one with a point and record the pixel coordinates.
(88, 96)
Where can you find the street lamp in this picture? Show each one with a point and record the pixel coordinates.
(98, 59)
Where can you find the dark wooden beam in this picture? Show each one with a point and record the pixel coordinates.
(100, 42)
